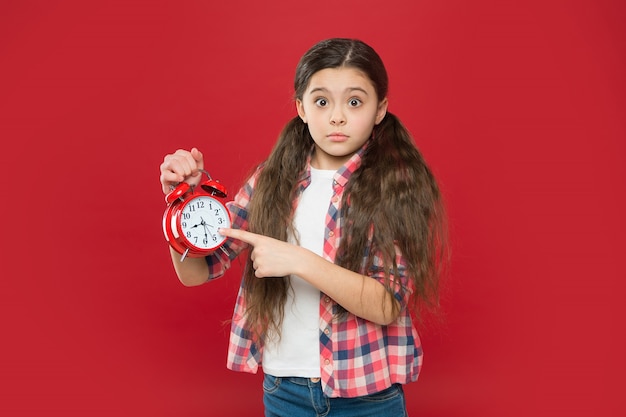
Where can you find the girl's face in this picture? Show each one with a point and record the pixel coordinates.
(341, 108)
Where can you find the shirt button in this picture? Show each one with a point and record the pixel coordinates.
(326, 332)
(331, 233)
(335, 199)
(327, 299)
(326, 362)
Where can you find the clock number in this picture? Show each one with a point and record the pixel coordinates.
(186, 216)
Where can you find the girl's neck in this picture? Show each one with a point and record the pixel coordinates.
(328, 162)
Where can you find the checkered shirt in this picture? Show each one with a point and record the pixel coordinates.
(357, 357)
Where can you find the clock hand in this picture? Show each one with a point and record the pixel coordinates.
(206, 230)
(204, 225)
(207, 224)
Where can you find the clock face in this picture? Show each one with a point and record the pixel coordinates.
(198, 221)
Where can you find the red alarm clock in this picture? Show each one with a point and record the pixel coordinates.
(192, 217)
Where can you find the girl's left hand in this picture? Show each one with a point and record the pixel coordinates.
(270, 257)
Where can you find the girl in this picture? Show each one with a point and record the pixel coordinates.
(345, 226)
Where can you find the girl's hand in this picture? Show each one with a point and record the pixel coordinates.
(362, 296)
(270, 257)
(181, 166)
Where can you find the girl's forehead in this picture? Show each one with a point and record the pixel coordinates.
(339, 77)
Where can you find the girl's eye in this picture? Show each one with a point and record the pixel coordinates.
(354, 102)
(321, 102)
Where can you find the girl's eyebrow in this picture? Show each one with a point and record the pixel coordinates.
(348, 90)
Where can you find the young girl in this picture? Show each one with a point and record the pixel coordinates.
(345, 226)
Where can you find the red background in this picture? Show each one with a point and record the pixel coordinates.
(517, 105)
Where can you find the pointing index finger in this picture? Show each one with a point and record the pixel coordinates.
(239, 234)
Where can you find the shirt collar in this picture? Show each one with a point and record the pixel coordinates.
(343, 174)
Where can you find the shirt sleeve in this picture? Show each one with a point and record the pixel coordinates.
(401, 284)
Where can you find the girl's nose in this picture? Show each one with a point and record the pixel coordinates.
(337, 117)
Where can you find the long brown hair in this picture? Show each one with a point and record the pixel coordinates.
(392, 194)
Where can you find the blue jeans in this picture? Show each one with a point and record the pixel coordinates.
(302, 397)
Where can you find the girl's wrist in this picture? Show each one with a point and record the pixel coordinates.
(304, 262)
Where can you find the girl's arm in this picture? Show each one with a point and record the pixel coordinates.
(191, 272)
(360, 295)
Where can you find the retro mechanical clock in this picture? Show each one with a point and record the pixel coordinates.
(192, 217)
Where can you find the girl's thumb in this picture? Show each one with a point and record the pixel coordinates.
(197, 155)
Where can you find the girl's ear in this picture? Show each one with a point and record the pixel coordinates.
(300, 108)
(382, 110)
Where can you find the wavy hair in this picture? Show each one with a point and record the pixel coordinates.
(392, 194)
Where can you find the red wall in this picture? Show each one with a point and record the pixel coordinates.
(518, 106)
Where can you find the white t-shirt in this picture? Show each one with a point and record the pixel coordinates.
(297, 352)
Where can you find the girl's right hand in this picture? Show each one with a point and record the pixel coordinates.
(181, 166)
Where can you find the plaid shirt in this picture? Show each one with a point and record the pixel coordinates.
(357, 357)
